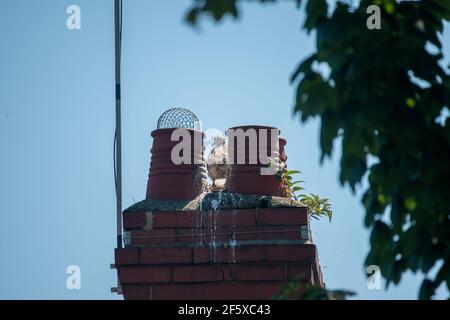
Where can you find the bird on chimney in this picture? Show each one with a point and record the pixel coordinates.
(216, 163)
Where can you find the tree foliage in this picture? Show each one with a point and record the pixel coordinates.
(382, 97)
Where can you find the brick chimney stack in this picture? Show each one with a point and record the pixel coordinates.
(217, 245)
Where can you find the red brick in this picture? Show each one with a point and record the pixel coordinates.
(290, 233)
(197, 273)
(238, 254)
(300, 252)
(221, 254)
(299, 272)
(176, 219)
(317, 274)
(126, 256)
(220, 234)
(136, 291)
(148, 237)
(190, 235)
(161, 255)
(230, 291)
(282, 216)
(143, 274)
(178, 292)
(228, 218)
(267, 290)
(201, 255)
(255, 272)
(249, 254)
(228, 272)
(258, 233)
(134, 220)
(204, 235)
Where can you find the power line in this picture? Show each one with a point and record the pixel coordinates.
(118, 131)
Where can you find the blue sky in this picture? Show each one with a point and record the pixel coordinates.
(57, 124)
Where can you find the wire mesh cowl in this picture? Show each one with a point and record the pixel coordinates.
(178, 118)
(170, 181)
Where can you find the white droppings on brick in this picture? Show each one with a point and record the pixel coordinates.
(148, 220)
(127, 238)
(215, 204)
(233, 252)
(213, 250)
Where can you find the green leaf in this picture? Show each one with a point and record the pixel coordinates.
(316, 11)
(381, 235)
(426, 290)
(328, 132)
(389, 7)
(410, 203)
(410, 103)
(303, 68)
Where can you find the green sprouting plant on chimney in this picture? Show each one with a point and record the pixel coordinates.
(317, 207)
